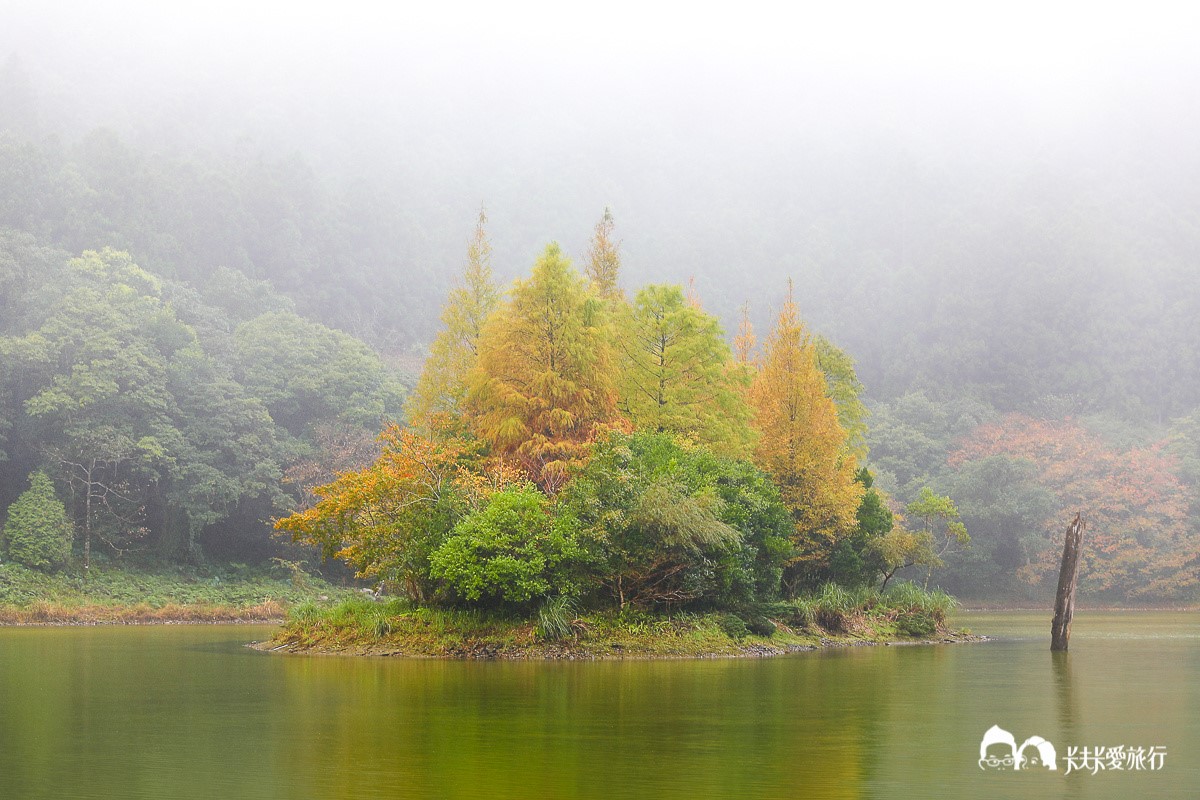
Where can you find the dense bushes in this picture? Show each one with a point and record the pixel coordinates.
(512, 550)
(675, 526)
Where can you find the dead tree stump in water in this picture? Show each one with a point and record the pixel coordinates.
(1068, 576)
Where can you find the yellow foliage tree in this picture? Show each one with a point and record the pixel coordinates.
(385, 519)
(544, 384)
(604, 261)
(745, 343)
(443, 382)
(801, 443)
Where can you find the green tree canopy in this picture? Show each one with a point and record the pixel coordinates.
(674, 525)
(38, 532)
(677, 374)
(302, 371)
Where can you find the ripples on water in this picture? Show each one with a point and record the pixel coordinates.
(187, 712)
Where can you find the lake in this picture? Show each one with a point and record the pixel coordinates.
(189, 712)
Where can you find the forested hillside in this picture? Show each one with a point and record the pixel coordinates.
(251, 310)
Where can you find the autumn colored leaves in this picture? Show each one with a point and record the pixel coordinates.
(535, 379)
(566, 357)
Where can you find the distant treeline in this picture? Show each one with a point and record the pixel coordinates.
(251, 285)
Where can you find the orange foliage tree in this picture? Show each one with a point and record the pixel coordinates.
(802, 445)
(1138, 542)
(386, 519)
(544, 385)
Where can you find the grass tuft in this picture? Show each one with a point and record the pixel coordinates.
(555, 618)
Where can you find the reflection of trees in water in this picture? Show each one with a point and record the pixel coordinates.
(727, 727)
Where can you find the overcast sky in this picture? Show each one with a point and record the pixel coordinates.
(1051, 56)
(763, 113)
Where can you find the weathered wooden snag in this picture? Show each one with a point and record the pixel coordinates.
(1068, 577)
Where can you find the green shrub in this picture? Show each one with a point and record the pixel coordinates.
(38, 531)
(510, 550)
(759, 625)
(917, 623)
(733, 626)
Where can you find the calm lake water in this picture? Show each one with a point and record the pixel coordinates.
(188, 712)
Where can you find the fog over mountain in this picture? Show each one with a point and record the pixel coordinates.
(994, 207)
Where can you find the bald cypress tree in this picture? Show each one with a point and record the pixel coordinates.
(745, 343)
(443, 383)
(802, 445)
(604, 260)
(544, 384)
(677, 373)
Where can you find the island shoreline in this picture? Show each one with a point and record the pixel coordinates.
(561, 652)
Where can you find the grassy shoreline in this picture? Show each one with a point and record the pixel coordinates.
(51, 614)
(836, 617)
(124, 595)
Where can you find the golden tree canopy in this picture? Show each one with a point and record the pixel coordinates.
(544, 383)
(801, 443)
(604, 260)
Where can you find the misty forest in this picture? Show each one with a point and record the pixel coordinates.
(549, 367)
(202, 326)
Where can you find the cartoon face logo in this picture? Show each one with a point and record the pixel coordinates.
(1036, 752)
(999, 751)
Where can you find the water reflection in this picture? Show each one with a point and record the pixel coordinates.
(1064, 687)
(186, 713)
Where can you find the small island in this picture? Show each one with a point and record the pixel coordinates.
(587, 475)
(834, 618)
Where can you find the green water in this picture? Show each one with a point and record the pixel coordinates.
(187, 712)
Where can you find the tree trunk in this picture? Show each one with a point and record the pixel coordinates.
(1068, 576)
(87, 533)
(887, 576)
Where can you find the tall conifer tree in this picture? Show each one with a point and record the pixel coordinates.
(604, 260)
(693, 294)
(801, 444)
(443, 383)
(745, 343)
(676, 373)
(544, 383)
